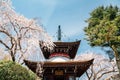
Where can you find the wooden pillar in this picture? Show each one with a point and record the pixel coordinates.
(75, 72)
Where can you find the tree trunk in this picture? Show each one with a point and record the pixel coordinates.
(13, 56)
(116, 77)
(117, 58)
(118, 64)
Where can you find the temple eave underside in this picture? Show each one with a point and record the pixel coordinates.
(65, 47)
(71, 67)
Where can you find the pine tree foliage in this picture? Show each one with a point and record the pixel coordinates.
(104, 29)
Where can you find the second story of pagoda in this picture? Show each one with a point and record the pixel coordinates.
(62, 51)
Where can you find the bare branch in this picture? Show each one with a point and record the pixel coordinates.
(100, 67)
(12, 24)
(22, 54)
(6, 33)
(4, 44)
(91, 70)
(87, 75)
(106, 73)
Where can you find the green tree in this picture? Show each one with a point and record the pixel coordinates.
(12, 71)
(104, 29)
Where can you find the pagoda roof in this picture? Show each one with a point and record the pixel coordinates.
(81, 66)
(69, 48)
(68, 63)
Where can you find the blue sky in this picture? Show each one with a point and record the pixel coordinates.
(70, 14)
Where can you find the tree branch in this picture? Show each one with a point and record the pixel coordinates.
(12, 24)
(87, 75)
(5, 44)
(105, 73)
(6, 33)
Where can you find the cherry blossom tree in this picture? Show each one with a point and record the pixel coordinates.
(20, 36)
(101, 68)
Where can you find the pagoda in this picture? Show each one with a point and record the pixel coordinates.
(60, 64)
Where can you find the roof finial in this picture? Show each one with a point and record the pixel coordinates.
(59, 33)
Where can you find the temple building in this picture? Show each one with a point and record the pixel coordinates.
(60, 64)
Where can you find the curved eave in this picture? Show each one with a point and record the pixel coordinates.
(81, 66)
(69, 63)
(74, 47)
